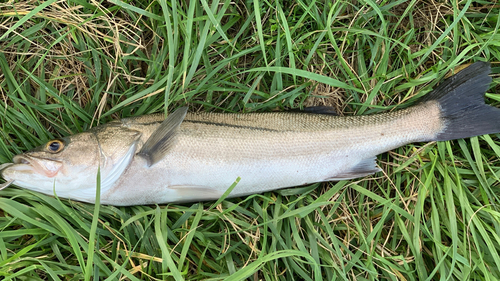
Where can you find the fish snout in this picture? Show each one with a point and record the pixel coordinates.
(21, 159)
(2, 168)
(42, 166)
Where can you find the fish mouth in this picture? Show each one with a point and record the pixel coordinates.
(21, 159)
(24, 161)
(5, 166)
(8, 182)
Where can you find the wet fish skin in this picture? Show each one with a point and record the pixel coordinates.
(284, 151)
(197, 156)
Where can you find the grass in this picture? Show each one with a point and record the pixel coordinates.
(432, 214)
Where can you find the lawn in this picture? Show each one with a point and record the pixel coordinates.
(69, 65)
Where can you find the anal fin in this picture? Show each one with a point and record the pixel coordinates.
(364, 168)
(189, 193)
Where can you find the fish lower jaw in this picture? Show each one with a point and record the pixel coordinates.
(83, 194)
(29, 170)
(14, 171)
(44, 167)
(27, 185)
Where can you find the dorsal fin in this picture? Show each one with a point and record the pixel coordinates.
(158, 144)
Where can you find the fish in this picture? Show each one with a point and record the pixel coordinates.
(190, 157)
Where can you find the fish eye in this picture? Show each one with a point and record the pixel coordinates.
(55, 146)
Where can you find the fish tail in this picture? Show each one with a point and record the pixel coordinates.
(461, 103)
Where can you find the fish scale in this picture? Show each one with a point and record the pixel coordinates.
(212, 150)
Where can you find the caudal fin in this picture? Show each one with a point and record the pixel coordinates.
(462, 107)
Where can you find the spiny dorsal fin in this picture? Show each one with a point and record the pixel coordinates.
(158, 144)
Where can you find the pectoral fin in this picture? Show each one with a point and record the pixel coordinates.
(158, 144)
(364, 168)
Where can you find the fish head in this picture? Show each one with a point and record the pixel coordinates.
(68, 166)
(63, 164)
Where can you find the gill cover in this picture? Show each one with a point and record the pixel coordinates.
(117, 147)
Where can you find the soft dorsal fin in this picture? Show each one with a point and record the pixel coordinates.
(158, 144)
